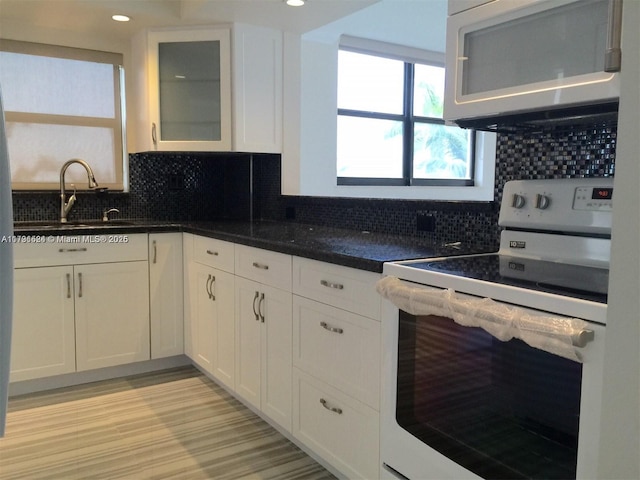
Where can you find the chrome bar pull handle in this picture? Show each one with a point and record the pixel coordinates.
(337, 286)
(326, 326)
(79, 284)
(254, 306)
(260, 303)
(261, 266)
(208, 286)
(68, 285)
(154, 135)
(326, 405)
(613, 53)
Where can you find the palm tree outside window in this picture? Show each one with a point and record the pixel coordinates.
(390, 125)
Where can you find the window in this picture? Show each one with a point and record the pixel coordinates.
(390, 126)
(62, 103)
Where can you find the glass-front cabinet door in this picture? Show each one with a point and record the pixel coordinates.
(190, 76)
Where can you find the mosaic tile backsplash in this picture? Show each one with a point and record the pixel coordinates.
(200, 186)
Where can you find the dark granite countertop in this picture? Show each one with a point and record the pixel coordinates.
(350, 248)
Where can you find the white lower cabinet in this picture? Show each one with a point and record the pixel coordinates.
(336, 360)
(73, 313)
(209, 309)
(112, 314)
(335, 426)
(263, 348)
(212, 322)
(43, 337)
(166, 309)
(338, 347)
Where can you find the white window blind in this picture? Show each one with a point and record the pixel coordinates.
(62, 103)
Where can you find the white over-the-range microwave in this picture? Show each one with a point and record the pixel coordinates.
(509, 57)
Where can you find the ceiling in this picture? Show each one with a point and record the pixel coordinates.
(94, 16)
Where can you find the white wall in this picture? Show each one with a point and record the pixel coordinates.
(620, 422)
(309, 156)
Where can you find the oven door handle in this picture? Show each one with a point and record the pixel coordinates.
(581, 338)
(552, 333)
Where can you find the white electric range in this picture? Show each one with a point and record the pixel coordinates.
(479, 348)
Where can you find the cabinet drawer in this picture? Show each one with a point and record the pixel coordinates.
(338, 347)
(348, 288)
(213, 252)
(341, 430)
(82, 249)
(264, 266)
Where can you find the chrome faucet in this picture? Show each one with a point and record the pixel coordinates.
(65, 206)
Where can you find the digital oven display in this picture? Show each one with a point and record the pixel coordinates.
(602, 194)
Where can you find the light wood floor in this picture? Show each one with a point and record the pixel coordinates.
(175, 424)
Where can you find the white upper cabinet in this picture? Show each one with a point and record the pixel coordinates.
(185, 89)
(257, 89)
(209, 89)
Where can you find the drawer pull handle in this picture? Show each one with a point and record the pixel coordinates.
(68, 285)
(326, 326)
(326, 405)
(215, 254)
(261, 266)
(64, 250)
(337, 286)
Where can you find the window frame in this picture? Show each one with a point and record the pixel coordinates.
(408, 120)
(117, 124)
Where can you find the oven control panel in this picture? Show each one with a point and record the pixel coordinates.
(593, 199)
(576, 205)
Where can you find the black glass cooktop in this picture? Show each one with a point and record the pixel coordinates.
(578, 281)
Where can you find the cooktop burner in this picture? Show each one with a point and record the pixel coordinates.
(578, 281)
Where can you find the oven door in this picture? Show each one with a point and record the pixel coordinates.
(459, 403)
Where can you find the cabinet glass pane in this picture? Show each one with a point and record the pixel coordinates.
(190, 91)
(557, 43)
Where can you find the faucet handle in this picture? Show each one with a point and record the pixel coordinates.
(105, 214)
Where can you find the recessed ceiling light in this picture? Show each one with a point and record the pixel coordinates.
(295, 3)
(120, 18)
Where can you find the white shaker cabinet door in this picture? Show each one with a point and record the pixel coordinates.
(112, 314)
(43, 340)
(212, 322)
(276, 315)
(188, 88)
(248, 341)
(166, 294)
(222, 296)
(263, 348)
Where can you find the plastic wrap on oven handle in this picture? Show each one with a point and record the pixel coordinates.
(557, 335)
